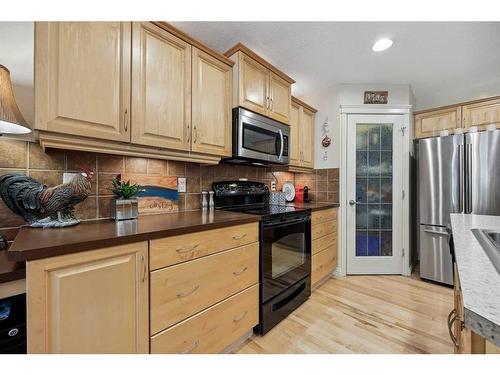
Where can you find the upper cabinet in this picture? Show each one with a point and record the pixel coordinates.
(429, 124)
(161, 88)
(302, 136)
(142, 89)
(211, 98)
(478, 113)
(259, 86)
(82, 74)
(481, 114)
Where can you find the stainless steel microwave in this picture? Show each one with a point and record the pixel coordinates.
(259, 140)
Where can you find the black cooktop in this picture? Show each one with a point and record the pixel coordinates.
(266, 210)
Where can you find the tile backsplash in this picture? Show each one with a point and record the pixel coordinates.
(48, 168)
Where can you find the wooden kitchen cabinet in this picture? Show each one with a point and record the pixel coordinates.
(429, 124)
(302, 136)
(82, 73)
(90, 74)
(161, 84)
(481, 114)
(211, 105)
(295, 133)
(465, 341)
(324, 245)
(90, 302)
(259, 86)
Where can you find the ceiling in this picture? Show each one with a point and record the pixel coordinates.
(440, 60)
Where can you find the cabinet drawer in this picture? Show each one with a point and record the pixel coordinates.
(320, 230)
(324, 215)
(213, 329)
(172, 250)
(323, 263)
(326, 242)
(182, 290)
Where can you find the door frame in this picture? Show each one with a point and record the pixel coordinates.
(374, 109)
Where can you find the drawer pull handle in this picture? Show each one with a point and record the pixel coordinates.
(190, 349)
(239, 237)
(237, 273)
(187, 249)
(236, 319)
(185, 294)
(144, 267)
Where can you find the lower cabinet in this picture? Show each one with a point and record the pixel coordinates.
(204, 302)
(89, 302)
(324, 245)
(464, 340)
(214, 329)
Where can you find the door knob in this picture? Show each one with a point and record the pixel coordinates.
(352, 202)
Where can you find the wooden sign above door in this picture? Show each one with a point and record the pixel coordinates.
(376, 97)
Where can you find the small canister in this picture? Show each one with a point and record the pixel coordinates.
(204, 201)
(211, 203)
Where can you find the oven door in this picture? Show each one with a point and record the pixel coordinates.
(285, 253)
(260, 138)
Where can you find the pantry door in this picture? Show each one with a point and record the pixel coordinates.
(374, 194)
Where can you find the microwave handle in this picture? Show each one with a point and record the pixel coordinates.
(281, 143)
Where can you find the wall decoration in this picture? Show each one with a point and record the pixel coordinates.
(376, 97)
(159, 195)
(326, 141)
(42, 206)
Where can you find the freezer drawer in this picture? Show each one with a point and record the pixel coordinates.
(435, 257)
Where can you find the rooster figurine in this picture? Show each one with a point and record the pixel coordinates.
(42, 206)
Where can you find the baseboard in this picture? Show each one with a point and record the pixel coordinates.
(235, 346)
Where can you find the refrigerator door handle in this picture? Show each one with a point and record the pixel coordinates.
(461, 178)
(468, 183)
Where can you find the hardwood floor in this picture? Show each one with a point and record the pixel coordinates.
(364, 314)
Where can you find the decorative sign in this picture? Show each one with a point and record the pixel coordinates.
(376, 97)
(327, 141)
(159, 195)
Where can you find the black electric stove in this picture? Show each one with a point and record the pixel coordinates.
(285, 248)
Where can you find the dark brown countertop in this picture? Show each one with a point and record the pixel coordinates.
(10, 270)
(314, 206)
(36, 243)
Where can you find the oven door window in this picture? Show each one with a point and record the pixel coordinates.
(260, 140)
(287, 254)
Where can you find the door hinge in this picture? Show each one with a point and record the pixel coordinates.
(403, 195)
(403, 129)
(403, 252)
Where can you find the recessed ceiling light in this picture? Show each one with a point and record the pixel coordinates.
(382, 45)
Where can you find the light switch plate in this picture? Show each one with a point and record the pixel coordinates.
(181, 184)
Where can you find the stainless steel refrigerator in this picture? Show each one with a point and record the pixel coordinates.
(456, 174)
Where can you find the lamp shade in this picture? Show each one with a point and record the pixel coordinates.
(11, 119)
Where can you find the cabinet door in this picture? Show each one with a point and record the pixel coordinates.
(253, 84)
(429, 124)
(280, 94)
(90, 302)
(83, 78)
(481, 114)
(307, 137)
(211, 111)
(161, 84)
(294, 135)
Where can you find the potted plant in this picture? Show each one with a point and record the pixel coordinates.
(125, 206)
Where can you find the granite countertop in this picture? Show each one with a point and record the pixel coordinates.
(479, 279)
(37, 243)
(314, 206)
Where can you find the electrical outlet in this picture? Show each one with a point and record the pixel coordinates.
(181, 184)
(273, 185)
(67, 177)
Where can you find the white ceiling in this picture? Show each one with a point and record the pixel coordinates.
(440, 60)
